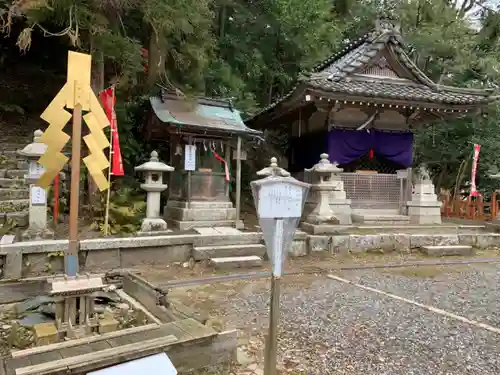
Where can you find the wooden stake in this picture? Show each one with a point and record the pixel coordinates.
(272, 336)
(238, 180)
(71, 258)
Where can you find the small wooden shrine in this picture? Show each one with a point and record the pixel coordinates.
(75, 316)
(202, 134)
(360, 106)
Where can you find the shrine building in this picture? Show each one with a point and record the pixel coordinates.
(361, 106)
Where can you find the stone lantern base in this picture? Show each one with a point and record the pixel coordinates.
(153, 227)
(31, 234)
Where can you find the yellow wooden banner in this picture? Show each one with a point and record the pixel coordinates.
(77, 90)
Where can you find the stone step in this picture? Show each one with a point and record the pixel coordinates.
(447, 250)
(14, 205)
(380, 219)
(225, 251)
(12, 183)
(187, 225)
(16, 193)
(236, 262)
(16, 173)
(249, 238)
(20, 218)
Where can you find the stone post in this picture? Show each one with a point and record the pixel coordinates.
(37, 228)
(332, 207)
(424, 207)
(153, 184)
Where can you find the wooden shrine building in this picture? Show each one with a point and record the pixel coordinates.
(361, 106)
(204, 136)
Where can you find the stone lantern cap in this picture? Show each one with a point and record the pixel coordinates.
(324, 166)
(36, 149)
(154, 165)
(273, 170)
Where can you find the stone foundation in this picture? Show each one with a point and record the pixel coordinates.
(184, 216)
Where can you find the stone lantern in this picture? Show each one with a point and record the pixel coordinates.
(332, 207)
(153, 185)
(38, 196)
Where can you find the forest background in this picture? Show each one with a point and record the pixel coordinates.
(251, 51)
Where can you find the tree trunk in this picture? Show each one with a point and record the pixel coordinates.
(156, 57)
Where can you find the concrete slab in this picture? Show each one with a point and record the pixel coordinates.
(447, 250)
(236, 262)
(218, 251)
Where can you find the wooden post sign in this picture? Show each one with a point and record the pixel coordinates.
(77, 95)
(279, 199)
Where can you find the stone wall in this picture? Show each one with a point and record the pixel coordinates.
(37, 258)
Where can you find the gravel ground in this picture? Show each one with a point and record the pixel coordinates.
(471, 291)
(332, 328)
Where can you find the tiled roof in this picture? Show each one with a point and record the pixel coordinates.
(333, 75)
(200, 116)
(390, 90)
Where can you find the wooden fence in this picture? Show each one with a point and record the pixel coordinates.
(472, 208)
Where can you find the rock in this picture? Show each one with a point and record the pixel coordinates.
(243, 358)
(34, 318)
(6, 327)
(105, 298)
(111, 288)
(48, 310)
(33, 304)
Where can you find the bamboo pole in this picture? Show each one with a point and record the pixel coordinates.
(108, 193)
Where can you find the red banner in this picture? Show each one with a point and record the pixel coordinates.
(109, 100)
(473, 189)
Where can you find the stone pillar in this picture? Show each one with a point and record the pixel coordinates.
(37, 228)
(331, 205)
(424, 207)
(153, 171)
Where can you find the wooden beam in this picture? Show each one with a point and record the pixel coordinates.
(238, 180)
(83, 341)
(109, 356)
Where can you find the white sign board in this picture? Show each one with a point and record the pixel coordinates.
(401, 174)
(158, 364)
(190, 158)
(35, 169)
(38, 195)
(280, 200)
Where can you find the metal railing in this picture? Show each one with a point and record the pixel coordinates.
(375, 190)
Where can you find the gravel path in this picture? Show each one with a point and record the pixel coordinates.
(329, 327)
(471, 291)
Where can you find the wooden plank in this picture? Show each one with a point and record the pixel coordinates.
(179, 309)
(194, 328)
(136, 305)
(82, 341)
(101, 358)
(45, 357)
(204, 352)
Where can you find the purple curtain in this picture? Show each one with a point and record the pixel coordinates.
(345, 146)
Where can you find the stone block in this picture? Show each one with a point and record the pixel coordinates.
(487, 240)
(318, 243)
(298, 248)
(445, 239)
(340, 244)
(97, 260)
(467, 239)
(236, 262)
(447, 250)
(158, 255)
(107, 324)
(359, 243)
(402, 242)
(45, 333)
(387, 242)
(420, 240)
(13, 268)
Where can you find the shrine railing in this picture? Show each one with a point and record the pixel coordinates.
(470, 208)
(376, 190)
(198, 186)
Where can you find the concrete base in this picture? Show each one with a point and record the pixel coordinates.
(447, 250)
(188, 215)
(324, 228)
(155, 224)
(156, 233)
(186, 225)
(236, 262)
(37, 234)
